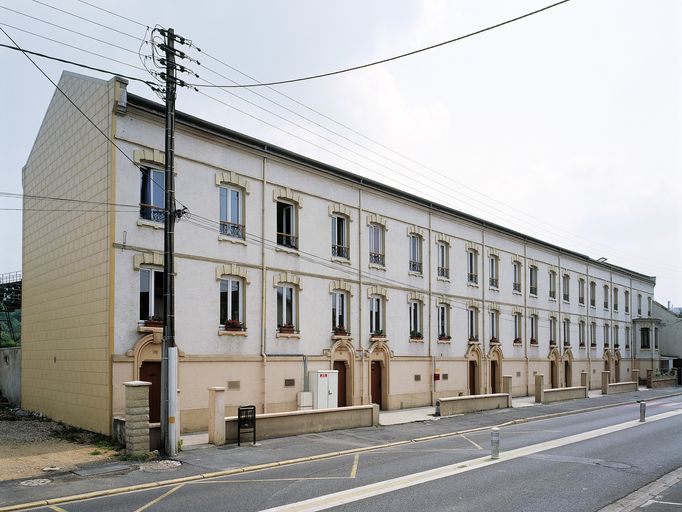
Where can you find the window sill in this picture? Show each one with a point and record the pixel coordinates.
(415, 274)
(292, 336)
(493, 289)
(472, 284)
(149, 224)
(567, 302)
(232, 333)
(378, 338)
(377, 267)
(233, 239)
(532, 296)
(552, 299)
(534, 345)
(518, 343)
(593, 347)
(582, 347)
(343, 261)
(514, 292)
(342, 337)
(473, 342)
(444, 341)
(147, 328)
(443, 279)
(288, 250)
(416, 340)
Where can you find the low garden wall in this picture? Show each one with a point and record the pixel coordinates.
(472, 403)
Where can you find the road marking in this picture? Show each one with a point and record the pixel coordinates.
(378, 488)
(259, 480)
(472, 442)
(154, 502)
(354, 469)
(56, 508)
(651, 502)
(645, 494)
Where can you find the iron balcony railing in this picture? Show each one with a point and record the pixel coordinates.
(415, 266)
(493, 282)
(231, 229)
(443, 272)
(341, 251)
(533, 290)
(287, 240)
(153, 213)
(552, 294)
(565, 297)
(376, 258)
(473, 278)
(517, 287)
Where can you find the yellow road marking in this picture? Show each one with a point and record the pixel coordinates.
(154, 502)
(56, 508)
(478, 446)
(253, 480)
(354, 470)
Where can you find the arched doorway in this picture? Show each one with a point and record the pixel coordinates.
(147, 367)
(568, 368)
(379, 357)
(495, 356)
(342, 358)
(554, 359)
(473, 357)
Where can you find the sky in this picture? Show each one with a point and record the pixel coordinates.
(566, 125)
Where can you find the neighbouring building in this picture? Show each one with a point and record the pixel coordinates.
(670, 337)
(286, 265)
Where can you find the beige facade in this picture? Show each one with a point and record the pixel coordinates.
(409, 301)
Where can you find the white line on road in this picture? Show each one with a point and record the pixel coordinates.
(651, 502)
(472, 442)
(360, 493)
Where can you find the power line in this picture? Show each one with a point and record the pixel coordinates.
(114, 13)
(396, 57)
(14, 195)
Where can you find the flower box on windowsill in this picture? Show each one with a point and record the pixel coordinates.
(340, 331)
(494, 341)
(533, 342)
(517, 341)
(377, 336)
(234, 325)
(416, 336)
(153, 322)
(287, 329)
(552, 343)
(444, 339)
(593, 346)
(473, 340)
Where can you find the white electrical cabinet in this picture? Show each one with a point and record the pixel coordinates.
(324, 385)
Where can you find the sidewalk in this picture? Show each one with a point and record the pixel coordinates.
(200, 460)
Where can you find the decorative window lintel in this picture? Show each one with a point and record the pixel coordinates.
(231, 270)
(339, 284)
(377, 290)
(415, 296)
(415, 230)
(287, 194)
(440, 237)
(148, 258)
(232, 178)
(287, 277)
(150, 156)
(342, 209)
(373, 218)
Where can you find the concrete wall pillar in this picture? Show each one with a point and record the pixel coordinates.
(539, 388)
(605, 375)
(585, 380)
(216, 415)
(137, 416)
(507, 388)
(635, 376)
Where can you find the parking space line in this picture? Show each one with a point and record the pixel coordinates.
(354, 469)
(478, 446)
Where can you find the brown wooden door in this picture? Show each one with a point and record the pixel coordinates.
(340, 366)
(567, 374)
(493, 377)
(473, 378)
(553, 375)
(150, 371)
(376, 384)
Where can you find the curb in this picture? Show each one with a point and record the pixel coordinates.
(322, 456)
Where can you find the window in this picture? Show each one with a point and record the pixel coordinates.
(606, 296)
(627, 302)
(566, 287)
(340, 248)
(627, 337)
(644, 335)
(339, 313)
(656, 338)
(581, 333)
(415, 253)
(639, 304)
(615, 299)
(534, 280)
(518, 333)
(415, 310)
(231, 213)
(552, 331)
(472, 324)
(581, 291)
(593, 334)
(552, 284)
(152, 195)
(376, 316)
(616, 333)
(443, 253)
(231, 301)
(606, 335)
(567, 332)
(286, 225)
(494, 271)
(151, 294)
(443, 322)
(286, 308)
(494, 325)
(648, 306)
(533, 329)
(593, 294)
(517, 276)
(472, 267)
(376, 244)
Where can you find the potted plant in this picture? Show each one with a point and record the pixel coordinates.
(377, 333)
(234, 325)
(473, 339)
(416, 335)
(287, 329)
(517, 341)
(494, 340)
(153, 321)
(533, 341)
(340, 330)
(444, 337)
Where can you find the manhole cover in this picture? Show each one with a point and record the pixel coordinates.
(159, 466)
(35, 482)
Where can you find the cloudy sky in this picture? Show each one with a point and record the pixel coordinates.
(566, 125)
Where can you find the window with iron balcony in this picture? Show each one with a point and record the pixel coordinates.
(472, 266)
(376, 245)
(494, 266)
(340, 248)
(286, 225)
(231, 213)
(152, 195)
(415, 253)
(442, 250)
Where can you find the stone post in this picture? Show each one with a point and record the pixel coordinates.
(507, 388)
(585, 380)
(216, 415)
(635, 377)
(605, 375)
(539, 388)
(137, 416)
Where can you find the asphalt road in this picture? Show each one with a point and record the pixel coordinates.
(581, 462)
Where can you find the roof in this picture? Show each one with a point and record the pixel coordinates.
(182, 118)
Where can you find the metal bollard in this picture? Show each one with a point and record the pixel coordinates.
(642, 411)
(495, 443)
